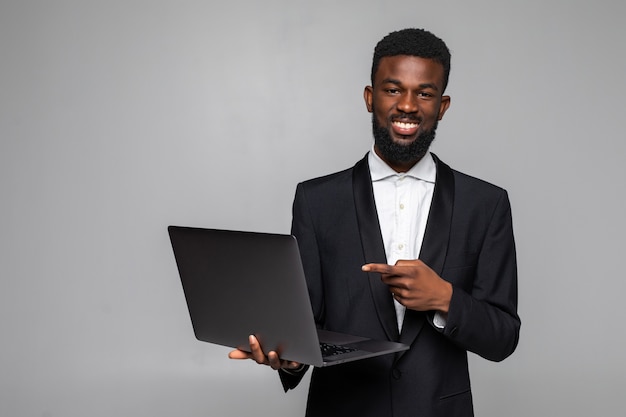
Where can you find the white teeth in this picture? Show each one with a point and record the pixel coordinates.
(405, 125)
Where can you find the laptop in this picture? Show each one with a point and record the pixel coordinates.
(239, 283)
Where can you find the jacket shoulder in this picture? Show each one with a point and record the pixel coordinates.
(464, 181)
(328, 182)
(329, 178)
(468, 181)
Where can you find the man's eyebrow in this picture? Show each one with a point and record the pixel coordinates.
(391, 81)
(399, 83)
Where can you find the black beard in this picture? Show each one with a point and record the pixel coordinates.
(397, 153)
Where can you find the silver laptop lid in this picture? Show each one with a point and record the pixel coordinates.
(241, 283)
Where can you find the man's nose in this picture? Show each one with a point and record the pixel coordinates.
(407, 103)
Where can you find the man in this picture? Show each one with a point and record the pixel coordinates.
(402, 247)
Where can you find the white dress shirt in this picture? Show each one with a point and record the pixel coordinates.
(403, 202)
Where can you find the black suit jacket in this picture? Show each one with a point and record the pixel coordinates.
(468, 241)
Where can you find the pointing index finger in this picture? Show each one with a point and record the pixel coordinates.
(381, 268)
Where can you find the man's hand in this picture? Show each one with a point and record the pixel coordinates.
(259, 357)
(415, 285)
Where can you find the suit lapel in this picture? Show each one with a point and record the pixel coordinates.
(435, 243)
(372, 242)
(433, 251)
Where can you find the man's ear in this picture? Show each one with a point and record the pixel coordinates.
(368, 95)
(443, 106)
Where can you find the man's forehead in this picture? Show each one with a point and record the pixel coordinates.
(409, 66)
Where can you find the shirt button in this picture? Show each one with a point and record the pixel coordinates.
(400, 246)
(401, 206)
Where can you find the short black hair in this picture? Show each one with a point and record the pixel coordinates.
(414, 42)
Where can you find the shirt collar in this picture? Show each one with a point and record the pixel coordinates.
(425, 169)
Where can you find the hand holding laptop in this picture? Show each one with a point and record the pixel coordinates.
(256, 353)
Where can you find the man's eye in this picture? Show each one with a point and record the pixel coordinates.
(424, 94)
(392, 91)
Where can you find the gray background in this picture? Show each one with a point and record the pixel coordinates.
(118, 118)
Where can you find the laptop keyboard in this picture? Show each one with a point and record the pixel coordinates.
(331, 350)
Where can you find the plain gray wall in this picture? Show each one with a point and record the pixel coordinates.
(118, 118)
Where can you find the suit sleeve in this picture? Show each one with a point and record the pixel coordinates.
(302, 228)
(290, 380)
(484, 319)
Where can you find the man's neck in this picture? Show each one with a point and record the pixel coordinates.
(399, 167)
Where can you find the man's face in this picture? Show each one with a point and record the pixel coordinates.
(406, 103)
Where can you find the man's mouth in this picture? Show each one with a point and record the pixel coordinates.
(404, 128)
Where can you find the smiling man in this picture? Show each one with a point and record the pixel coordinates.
(402, 247)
